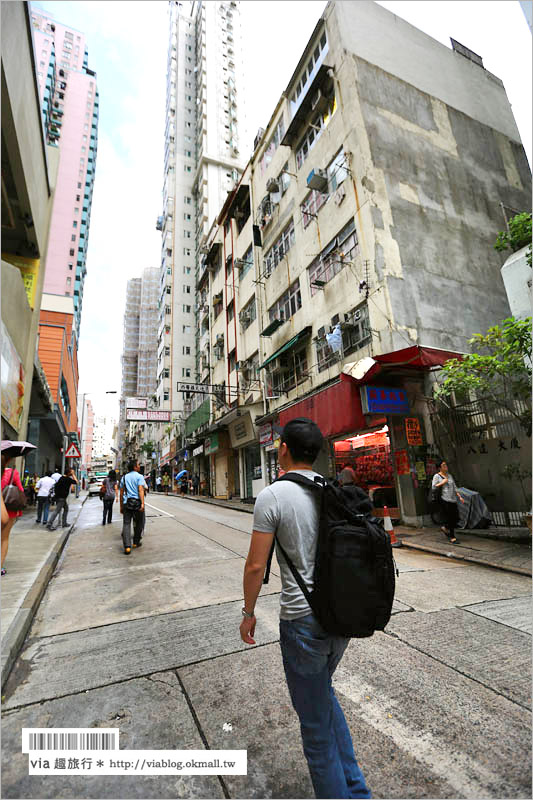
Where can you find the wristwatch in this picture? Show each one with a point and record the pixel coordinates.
(245, 613)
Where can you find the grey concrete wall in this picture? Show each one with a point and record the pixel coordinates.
(378, 36)
(16, 312)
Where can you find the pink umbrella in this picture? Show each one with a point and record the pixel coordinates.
(15, 449)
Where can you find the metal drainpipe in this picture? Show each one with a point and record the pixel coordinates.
(234, 308)
(258, 291)
(226, 306)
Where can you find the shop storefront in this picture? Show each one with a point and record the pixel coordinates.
(269, 442)
(247, 456)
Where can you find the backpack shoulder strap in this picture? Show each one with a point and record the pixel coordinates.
(295, 477)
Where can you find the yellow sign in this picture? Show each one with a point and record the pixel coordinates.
(29, 268)
(420, 469)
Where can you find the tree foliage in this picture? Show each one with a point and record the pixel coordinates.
(518, 235)
(148, 448)
(499, 369)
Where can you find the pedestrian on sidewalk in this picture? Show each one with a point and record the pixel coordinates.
(355, 498)
(56, 475)
(310, 655)
(166, 482)
(44, 485)
(61, 492)
(132, 506)
(443, 481)
(110, 485)
(159, 488)
(9, 475)
(195, 483)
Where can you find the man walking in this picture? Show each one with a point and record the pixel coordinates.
(61, 492)
(43, 487)
(310, 654)
(132, 506)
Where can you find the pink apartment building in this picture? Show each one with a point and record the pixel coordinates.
(69, 97)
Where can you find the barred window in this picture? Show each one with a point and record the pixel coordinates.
(285, 380)
(334, 257)
(246, 264)
(314, 132)
(309, 208)
(248, 314)
(288, 304)
(280, 247)
(273, 145)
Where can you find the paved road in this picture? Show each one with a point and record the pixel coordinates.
(439, 705)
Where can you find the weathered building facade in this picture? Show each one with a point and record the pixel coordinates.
(362, 228)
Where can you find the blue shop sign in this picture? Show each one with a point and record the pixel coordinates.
(384, 400)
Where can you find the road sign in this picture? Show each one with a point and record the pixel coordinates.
(72, 451)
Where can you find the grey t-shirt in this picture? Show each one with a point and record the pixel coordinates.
(291, 512)
(449, 490)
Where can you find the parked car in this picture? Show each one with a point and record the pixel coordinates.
(94, 486)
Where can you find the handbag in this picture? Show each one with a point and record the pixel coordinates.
(14, 499)
(133, 503)
(435, 494)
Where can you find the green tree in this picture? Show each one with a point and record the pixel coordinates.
(500, 370)
(148, 448)
(518, 235)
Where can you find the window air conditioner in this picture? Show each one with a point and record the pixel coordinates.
(318, 179)
(272, 186)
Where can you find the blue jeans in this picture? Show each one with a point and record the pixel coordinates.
(43, 506)
(310, 657)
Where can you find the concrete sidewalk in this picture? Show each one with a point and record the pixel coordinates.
(502, 548)
(31, 559)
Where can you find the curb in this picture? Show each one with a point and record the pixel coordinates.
(461, 557)
(15, 635)
(211, 502)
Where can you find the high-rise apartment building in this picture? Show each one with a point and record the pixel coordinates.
(69, 101)
(203, 162)
(139, 356)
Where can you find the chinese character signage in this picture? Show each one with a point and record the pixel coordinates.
(265, 434)
(211, 444)
(402, 462)
(413, 432)
(142, 415)
(383, 400)
(136, 402)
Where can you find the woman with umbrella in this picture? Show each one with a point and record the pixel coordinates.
(10, 475)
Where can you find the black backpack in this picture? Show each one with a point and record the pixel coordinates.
(354, 576)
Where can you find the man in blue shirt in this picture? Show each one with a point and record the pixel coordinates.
(132, 506)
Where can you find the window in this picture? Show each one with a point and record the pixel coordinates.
(248, 314)
(64, 396)
(186, 251)
(72, 252)
(186, 216)
(187, 168)
(309, 67)
(74, 224)
(231, 310)
(69, 281)
(168, 310)
(73, 237)
(188, 200)
(166, 395)
(337, 171)
(169, 290)
(314, 132)
(288, 304)
(187, 234)
(167, 328)
(167, 351)
(232, 361)
(186, 270)
(272, 145)
(246, 263)
(295, 371)
(186, 351)
(70, 265)
(186, 329)
(186, 309)
(185, 372)
(186, 288)
(280, 248)
(309, 208)
(357, 332)
(341, 250)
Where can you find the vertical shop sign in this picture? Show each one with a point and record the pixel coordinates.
(265, 434)
(12, 379)
(413, 432)
(420, 469)
(29, 269)
(402, 462)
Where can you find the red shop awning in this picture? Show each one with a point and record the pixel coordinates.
(335, 410)
(416, 357)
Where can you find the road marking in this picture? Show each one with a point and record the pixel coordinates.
(161, 511)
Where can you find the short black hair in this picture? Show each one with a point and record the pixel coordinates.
(131, 465)
(112, 475)
(303, 438)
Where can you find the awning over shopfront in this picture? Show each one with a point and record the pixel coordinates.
(335, 410)
(288, 345)
(410, 358)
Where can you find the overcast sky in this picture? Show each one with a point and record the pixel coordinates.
(127, 43)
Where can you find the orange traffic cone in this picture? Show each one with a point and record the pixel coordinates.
(387, 524)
